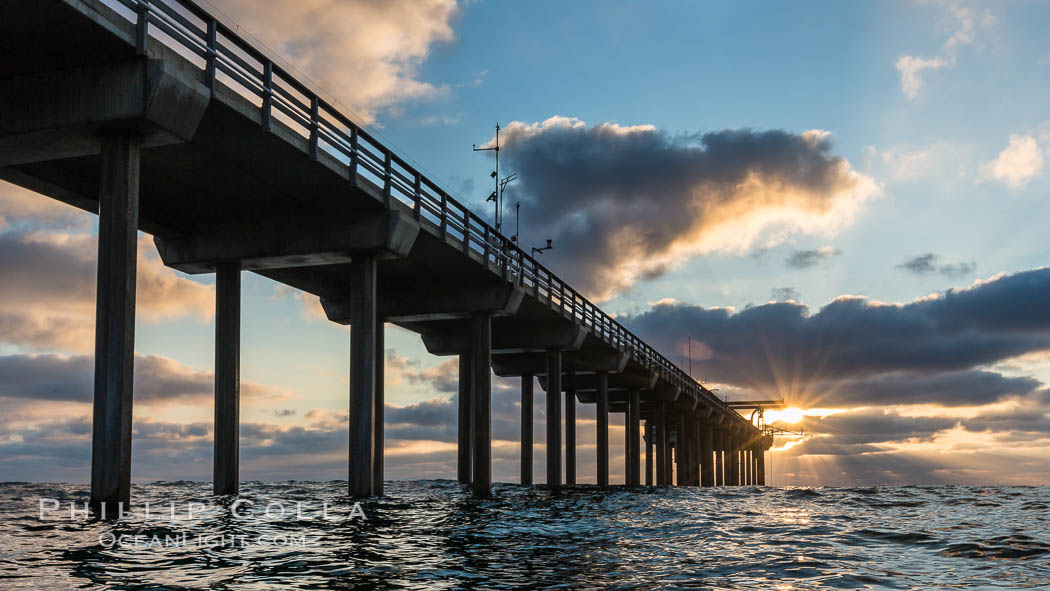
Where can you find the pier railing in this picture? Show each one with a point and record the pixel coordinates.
(224, 56)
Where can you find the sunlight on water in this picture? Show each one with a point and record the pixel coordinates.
(433, 535)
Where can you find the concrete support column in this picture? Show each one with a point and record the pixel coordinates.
(465, 438)
(118, 221)
(634, 436)
(603, 429)
(661, 444)
(719, 468)
(682, 451)
(746, 455)
(379, 404)
(362, 374)
(732, 464)
(526, 428)
(649, 452)
(570, 437)
(707, 446)
(553, 417)
(481, 360)
(760, 466)
(627, 442)
(227, 378)
(756, 451)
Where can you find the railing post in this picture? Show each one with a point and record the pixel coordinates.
(141, 27)
(444, 215)
(466, 232)
(417, 196)
(209, 68)
(387, 178)
(314, 125)
(267, 100)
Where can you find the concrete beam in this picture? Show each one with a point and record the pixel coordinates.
(509, 335)
(436, 302)
(61, 113)
(617, 381)
(291, 241)
(579, 361)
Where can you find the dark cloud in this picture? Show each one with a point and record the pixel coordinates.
(71, 379)
(950, 388)
(923, 349)
(873, 427)
(47, 295)
(804, 259)
(783, 294)
(929, 263)
(624, 203)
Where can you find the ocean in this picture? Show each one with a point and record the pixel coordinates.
(434, 535)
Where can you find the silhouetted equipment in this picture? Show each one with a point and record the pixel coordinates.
(536, 250)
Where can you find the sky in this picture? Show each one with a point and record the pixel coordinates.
(839, 204)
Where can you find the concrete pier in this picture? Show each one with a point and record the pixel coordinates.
(312, 201)
(681, 452)
(227, 378)
(719, 461)
(362, 374)
(526, 428)
(662, 476)
(554, 417)
(648, 452)
(378, 406)
(732, 460)
(634, 439)
(707, 446)
(465, 437)
(570, 437)
(118, 219)
(481, 360)
(602, 435)
(761, 467)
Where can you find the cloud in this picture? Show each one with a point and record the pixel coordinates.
(366, 53)
(929, 263)
(783, 294)
(626, 203)
(804, 259)
(1018, 163)
(47, 298)
(23, 207)
(962, 29)
(871, 426)
(158, 380)
(924, 349)
(911, 69)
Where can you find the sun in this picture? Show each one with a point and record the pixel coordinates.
(785, 415)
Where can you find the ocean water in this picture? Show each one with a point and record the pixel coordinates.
(433, 535)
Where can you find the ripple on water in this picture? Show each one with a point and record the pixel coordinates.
(433, 534)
